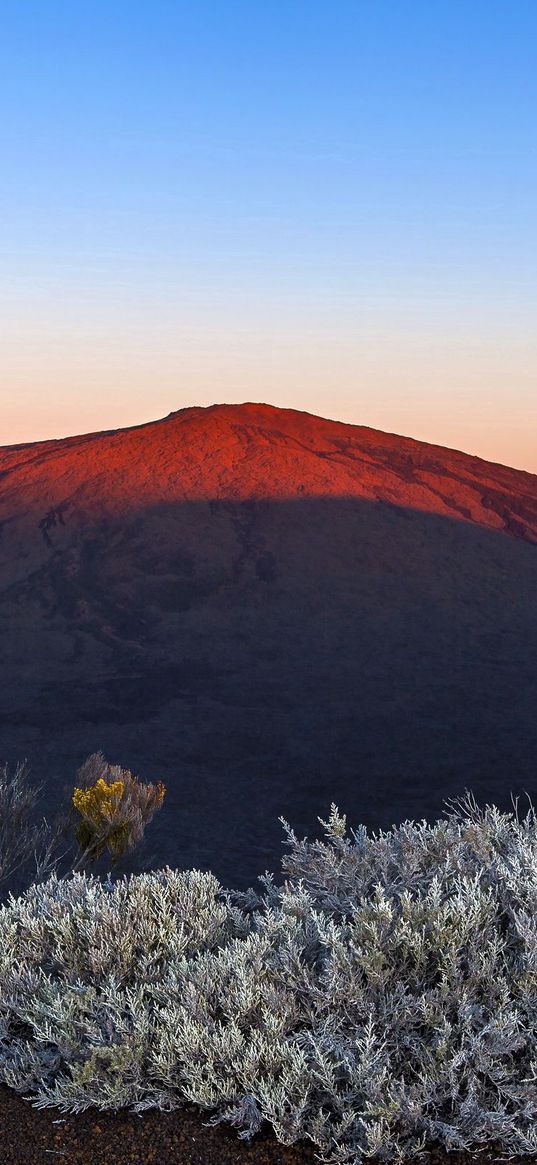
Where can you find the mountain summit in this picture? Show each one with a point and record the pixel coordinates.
(256, 451)
(269, 611)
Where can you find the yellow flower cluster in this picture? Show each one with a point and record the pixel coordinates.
(114, 813)
(100, 801)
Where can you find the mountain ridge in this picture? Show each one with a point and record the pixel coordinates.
(256, 450)
(271, 409)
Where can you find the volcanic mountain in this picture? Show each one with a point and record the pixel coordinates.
(269, 611)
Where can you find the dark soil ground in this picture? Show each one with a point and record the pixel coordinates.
(31, 1136)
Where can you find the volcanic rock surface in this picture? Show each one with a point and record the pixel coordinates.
(269, 611)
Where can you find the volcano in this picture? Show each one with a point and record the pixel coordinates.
(269, 611)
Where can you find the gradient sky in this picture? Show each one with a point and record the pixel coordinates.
(327, 205)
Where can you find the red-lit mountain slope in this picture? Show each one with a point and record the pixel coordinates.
(271, 611)
(254, 451)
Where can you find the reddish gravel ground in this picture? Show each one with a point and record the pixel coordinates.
(31, 1136)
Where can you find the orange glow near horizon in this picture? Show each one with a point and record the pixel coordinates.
(450, 395)
(457, 372)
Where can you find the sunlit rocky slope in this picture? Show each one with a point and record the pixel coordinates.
(269, 611)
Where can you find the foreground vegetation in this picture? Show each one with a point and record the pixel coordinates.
(381, 1001)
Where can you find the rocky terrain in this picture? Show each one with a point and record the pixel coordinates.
(269, 611)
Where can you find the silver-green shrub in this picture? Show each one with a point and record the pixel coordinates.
(382, 1000)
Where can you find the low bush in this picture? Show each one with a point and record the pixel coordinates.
(24, 844)
(108, 812)
(114, 809)
(381, 1001)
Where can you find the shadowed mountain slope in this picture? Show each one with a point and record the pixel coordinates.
(269, 611)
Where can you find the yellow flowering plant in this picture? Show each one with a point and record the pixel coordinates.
(114, 808)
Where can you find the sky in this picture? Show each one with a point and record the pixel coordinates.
(328, 205)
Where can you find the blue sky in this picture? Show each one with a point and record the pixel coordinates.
(331, 206)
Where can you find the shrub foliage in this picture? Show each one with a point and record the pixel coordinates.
(381, 1001)
(109, 810)
(115, 808)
